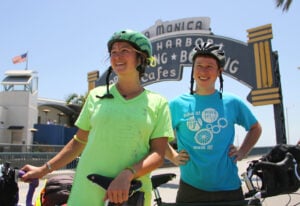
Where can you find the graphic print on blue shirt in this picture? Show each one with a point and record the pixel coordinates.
(205, 123)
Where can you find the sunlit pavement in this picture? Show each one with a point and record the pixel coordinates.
(168, 191)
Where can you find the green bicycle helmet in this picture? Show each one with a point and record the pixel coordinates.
(209, 49)
(137, 39)
(212, 50)
(141, 43)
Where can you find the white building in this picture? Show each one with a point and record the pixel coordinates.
(21, 109)
(18, 106)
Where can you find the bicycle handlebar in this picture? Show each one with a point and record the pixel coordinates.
(287, 161)
(160, 179)
(12, 174)
(269, 168)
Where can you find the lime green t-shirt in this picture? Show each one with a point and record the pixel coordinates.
(120, 131)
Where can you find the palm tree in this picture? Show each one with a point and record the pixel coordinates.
(75, 103)
(75, 99)
(285, 4)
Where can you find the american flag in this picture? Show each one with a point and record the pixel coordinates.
(19, 58)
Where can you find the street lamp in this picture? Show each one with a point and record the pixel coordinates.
(33, 131)
(60, 114)
(287, 125)
(287, 115)
(46, 111)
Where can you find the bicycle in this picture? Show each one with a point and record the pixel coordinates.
(157, 181)
(254, 196)
(9, 186)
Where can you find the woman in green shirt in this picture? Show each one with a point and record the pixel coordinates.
(123, 129)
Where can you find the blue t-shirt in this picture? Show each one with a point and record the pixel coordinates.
(205, 128)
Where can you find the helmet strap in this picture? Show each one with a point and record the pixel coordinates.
(141, 69)
(143, 64)
(221, 84)
(107, 94)
(192, 81)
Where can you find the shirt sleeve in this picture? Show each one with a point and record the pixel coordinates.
(163, 127)
(83, 120)
(246, 118)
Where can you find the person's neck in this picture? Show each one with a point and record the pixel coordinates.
(130, 89)
(205, 91)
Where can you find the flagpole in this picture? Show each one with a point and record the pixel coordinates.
(26, 61)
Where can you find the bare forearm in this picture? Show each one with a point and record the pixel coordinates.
(150, 163)
(250, 139)
(170, 153)
(153, 160)
(66, 155)
(72, 150)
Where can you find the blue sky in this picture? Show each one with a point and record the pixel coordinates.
(66, 39)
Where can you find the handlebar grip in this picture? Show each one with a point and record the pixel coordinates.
(21, 173)
(33, 182)
(32, 186)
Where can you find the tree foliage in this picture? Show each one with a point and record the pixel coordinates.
(284, 4)
(75, 99)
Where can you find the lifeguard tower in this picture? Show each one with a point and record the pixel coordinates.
(18, 107)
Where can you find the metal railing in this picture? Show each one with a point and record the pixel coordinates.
(20, 155)
(19, 159)
(29, 148)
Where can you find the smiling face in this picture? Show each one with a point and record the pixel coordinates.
(123, 59)
(205, 73)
